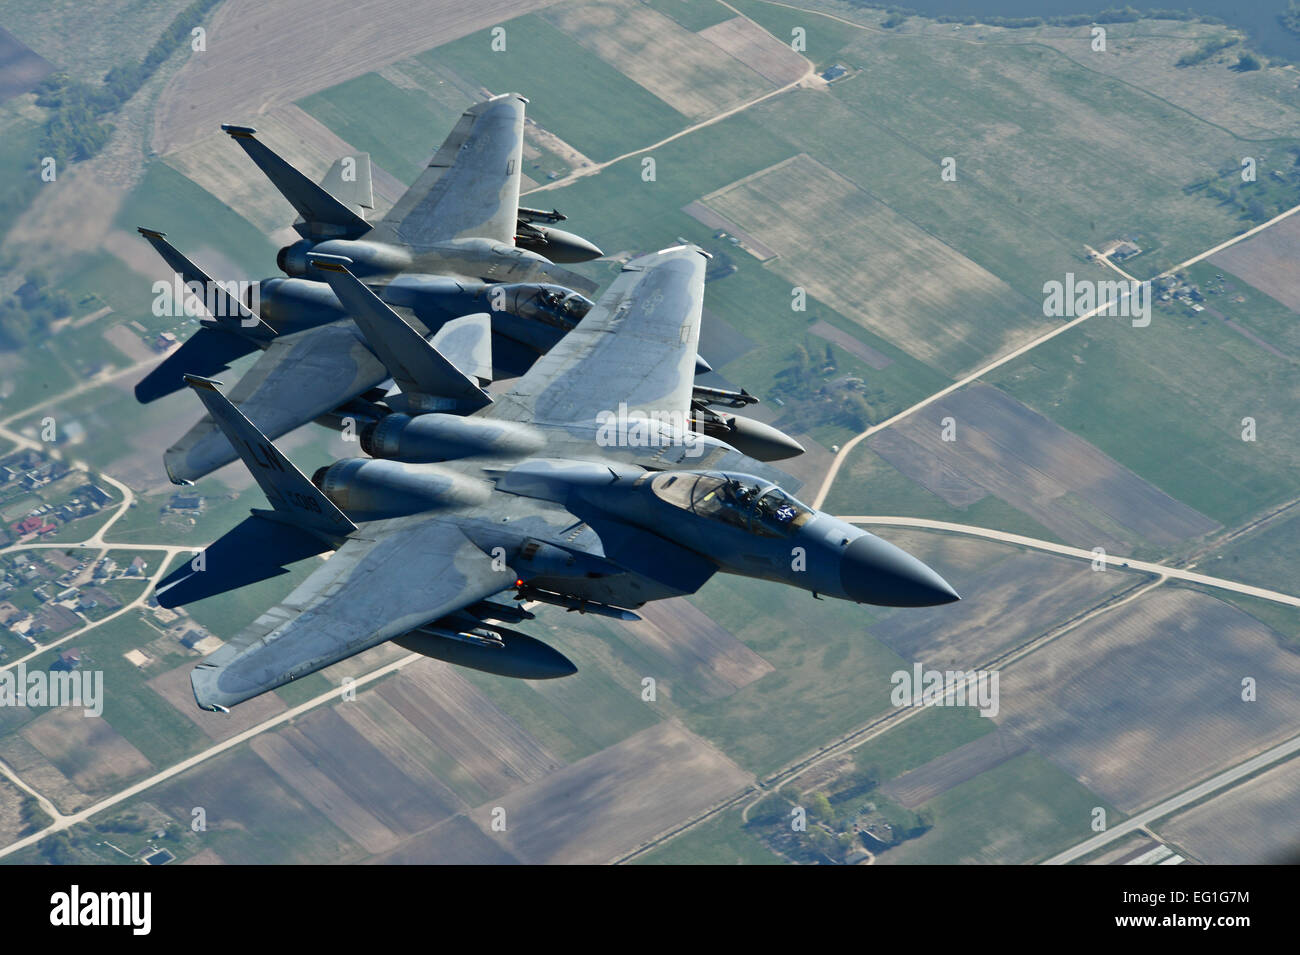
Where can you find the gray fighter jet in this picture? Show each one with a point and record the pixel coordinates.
(457, 255)
(583, 487)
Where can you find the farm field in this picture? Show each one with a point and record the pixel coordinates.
(1213, 831)
(1156, 684)
(1167, 402)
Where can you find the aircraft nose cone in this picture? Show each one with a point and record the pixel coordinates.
(874, 571)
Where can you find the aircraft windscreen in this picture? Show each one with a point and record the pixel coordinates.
(744, 502)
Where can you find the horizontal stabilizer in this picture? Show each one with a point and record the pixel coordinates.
(252, 551)
(227, 310)
(207, 352)
(323, 215)
(290, 493)
(301, 376)
(427, 379)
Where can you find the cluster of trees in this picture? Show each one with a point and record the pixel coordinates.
(128, 822)
(73, 131)
(896, 15)
(27, 313)
(830, 817)
(1239, 196)
(1290, 20)
(1272, 193)
(31, 816)
(805, 382)
(1206, 50)
(76, 128)
(60, 848)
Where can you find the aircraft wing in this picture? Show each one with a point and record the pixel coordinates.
(470, 188)
(300, 377)
(375, 587)
(637, 345)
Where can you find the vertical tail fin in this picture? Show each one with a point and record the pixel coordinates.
(324, 216)
(294, 497)
(467, 344)
(349, 182)
(230, 313)
(427, 379)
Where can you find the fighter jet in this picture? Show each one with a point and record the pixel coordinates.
(457, 254)
(426, 382)
(547, 498)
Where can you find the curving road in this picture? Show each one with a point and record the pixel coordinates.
(1124, 563)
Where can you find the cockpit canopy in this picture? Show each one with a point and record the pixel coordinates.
(742, 500)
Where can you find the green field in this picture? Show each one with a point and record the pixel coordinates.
(97, 279)
(584, 101)
(720, 841)
(41, 374)
(253, 818)
(824, 37)
(1022, 811)
(1082, 156)
(695, 15)
(304, 688)
(580, 714)
(870, 485)
(1268, 318)
(362, 111)
(619, 211)
(88, 41)
(1167, 402)
(20, 157)
(1266, 558)
(928, 735)
(194, 219)
(144, 718)
(830, 674)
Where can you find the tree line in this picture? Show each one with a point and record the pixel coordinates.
(77, 126)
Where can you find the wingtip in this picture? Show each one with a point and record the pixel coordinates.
(203, 683)
(238, 132)
(150, 233)
(195, 381)
(329, 263)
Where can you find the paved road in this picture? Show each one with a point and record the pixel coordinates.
(1126, 563)
(66, 821)
(1187, 796)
